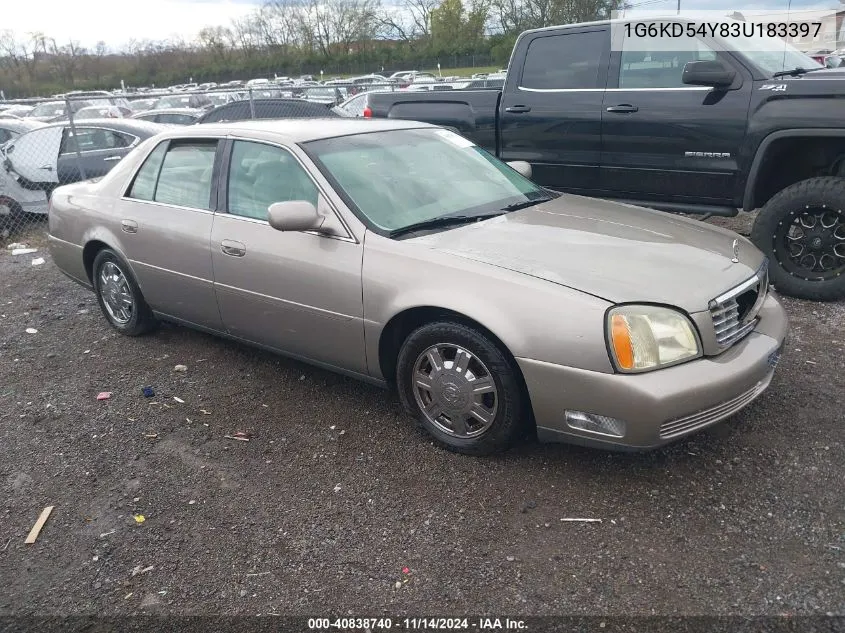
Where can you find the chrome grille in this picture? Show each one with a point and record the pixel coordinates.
(701, 419)
(734, 313)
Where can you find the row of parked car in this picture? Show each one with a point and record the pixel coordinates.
(189, 104)
(53, 145)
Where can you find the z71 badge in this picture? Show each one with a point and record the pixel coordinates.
(774, 87)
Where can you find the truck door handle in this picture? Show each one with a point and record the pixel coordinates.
(233, 249)
(518, 109)
(129, 226)
(624, 108)
(47, 167)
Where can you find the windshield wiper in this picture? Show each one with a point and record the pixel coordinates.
(446, 220)
(516, 206)
(794, 72)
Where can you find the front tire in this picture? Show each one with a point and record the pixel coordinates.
(802, 231)
(462, 389)
(119, 296)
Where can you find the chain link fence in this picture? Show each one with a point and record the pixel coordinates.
(49, 142)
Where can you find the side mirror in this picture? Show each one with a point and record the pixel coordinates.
(521, 167)
(294, 215)
(706, 73)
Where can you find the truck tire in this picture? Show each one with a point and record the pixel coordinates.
(802, 232)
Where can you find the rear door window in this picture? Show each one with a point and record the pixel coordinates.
(185, 178)
(92, 140)
(568, 61)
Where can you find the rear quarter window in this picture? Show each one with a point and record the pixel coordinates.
(144, 184)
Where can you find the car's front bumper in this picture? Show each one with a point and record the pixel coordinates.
(661, 406)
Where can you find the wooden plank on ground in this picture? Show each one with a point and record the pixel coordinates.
(36, 529)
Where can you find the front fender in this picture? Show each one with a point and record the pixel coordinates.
(533, 318)
(749, 203)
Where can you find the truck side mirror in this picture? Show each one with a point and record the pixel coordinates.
(708, 73)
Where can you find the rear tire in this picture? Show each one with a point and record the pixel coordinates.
(119, 296)
(462, 389)
(802, 232)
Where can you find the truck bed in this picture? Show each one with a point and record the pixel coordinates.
(473, 113)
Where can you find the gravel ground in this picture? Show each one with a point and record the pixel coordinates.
(337, 493)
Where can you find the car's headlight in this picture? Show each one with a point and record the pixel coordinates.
(644, 337)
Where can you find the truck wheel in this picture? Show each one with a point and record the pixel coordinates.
(802, 231)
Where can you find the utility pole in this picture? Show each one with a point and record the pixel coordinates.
(679, 7)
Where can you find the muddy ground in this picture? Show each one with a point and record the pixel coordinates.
(336, 493)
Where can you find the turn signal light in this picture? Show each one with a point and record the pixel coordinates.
(621, 339)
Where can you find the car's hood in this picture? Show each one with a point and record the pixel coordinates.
(618, 252)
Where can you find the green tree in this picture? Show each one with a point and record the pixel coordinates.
(454, 29)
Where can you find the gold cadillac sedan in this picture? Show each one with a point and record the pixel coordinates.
(402, 254)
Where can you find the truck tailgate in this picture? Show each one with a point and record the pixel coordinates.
(473, 113)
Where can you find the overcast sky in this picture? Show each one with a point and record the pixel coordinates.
(118, 21)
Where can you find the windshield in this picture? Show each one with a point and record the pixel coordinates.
(48, 109)
(93, 113)
(402, 177)
(173, 102)
(773, 58)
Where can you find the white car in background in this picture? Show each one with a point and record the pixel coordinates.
(38, 161)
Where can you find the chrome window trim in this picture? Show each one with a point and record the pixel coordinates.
(682, 89)
(165, 204)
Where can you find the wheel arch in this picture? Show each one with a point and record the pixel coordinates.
(94, 242)
(89, 254)
(765, 179)
(400, 326)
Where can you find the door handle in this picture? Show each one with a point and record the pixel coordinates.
(111, 158)
(518, 109)
(624, 108)
(233, 249)
(129, 226)
(47, 167)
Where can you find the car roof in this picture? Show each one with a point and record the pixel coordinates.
(133, 126)
(197, 111)
(298, 130)
(20, 125)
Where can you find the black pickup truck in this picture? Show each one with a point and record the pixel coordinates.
(710, 127)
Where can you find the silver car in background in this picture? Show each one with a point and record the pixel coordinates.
(402, 254)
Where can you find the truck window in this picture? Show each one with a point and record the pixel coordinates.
(646, 66)
(568, 61)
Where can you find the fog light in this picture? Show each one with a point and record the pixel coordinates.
(592, 423)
